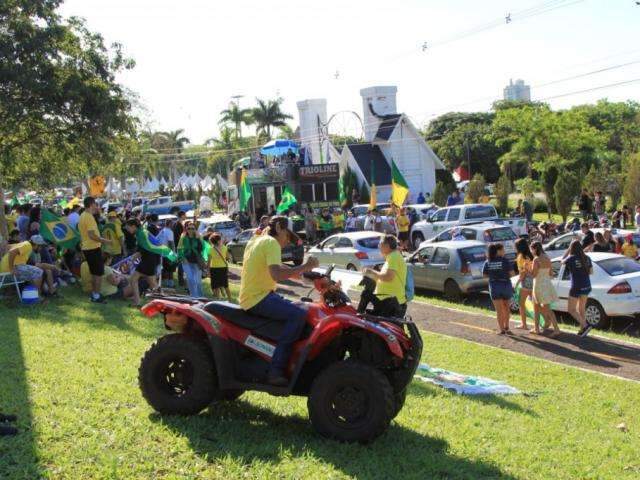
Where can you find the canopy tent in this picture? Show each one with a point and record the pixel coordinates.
(133, 187)
(222, 182)
(163, 182)
(207, 183)
(279, 147)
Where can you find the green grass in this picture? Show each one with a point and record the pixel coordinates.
(70, 373)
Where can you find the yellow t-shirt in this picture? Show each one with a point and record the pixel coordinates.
(523, 264)
(338, 220)
(218, 261)
(106, 288)
(113, 232)
(255, 281)
(629, 250)
(85, 225)
(11, 222)
(24, 251)
(394, 288)
(403, 223)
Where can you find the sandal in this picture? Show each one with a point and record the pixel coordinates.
(534, 332)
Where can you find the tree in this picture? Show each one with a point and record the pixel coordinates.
(59, 98)
(440, 194)
(566, 188)
(268, 114)
(475, 189)
(631, 189)
(237, 117)
(502, 191)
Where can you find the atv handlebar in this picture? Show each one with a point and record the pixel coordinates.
(317, 275)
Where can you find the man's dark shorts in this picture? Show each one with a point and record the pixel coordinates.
(94, 260)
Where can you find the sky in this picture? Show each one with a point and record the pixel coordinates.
(192, 56)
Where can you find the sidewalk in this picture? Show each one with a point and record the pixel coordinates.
(602, 355)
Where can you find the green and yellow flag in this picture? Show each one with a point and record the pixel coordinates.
(57, 230)
(151, 244)
(245, 191)
(399, 187)
(372, 192)
(288, 200)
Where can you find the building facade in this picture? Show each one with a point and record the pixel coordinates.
(517, 91)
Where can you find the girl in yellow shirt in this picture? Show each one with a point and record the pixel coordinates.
(218, 267)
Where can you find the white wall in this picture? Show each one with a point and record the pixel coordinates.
(308, 113)
(383, 100)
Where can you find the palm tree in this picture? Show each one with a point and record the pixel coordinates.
(175, 140)
(222, 159)
(268, 114)
(236, 116)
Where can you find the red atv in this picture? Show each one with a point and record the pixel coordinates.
(353, 368)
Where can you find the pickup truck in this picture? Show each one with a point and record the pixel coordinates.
(165, 205)
(455, 215)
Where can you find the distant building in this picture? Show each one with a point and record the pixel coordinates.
(517, 91)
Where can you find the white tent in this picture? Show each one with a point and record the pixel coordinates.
(207, 183)
(163, 182)
(133, 187)
(222, 182)
(196, 180)
(154, 184)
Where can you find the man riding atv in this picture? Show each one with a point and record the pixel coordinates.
(262, 268)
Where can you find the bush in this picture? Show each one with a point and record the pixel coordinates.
(565, 190)
(440, 194)
(475, 189)
(526, 186)
(502, 190)
(540, 206)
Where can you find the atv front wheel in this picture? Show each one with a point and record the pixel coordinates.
(177, 375)
(399, 398)
(351, 401)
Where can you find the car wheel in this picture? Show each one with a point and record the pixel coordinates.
(177, 375)
(352, 267)
(595, 315)
(351, 401)
(452, 291)
(418, 238)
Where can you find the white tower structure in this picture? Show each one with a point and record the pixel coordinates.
(382, 100)
(313, 117)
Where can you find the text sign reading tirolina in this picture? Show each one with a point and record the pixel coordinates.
(323, 172)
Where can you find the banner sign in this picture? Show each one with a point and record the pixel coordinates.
(319, 173)
(267, 175)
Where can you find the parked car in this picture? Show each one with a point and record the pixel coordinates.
(486, 232)
(615, 288)
(424, 210)
(559, 245)
(164, 205)
(221, 224)
(352, 250)
(447, 217)
(453, 267)
(291, 253)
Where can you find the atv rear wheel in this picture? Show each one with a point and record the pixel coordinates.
(177, 375)
(351, 401)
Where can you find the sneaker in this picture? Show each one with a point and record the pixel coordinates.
(98, 299)
(583, 332)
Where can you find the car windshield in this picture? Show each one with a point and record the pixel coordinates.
(500, 234)
(619, 266)
(481, 211)
(473, 254)
(369, 242)
(222, 225)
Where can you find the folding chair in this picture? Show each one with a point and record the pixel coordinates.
(7, 280)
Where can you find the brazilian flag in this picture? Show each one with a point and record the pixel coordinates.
(151, 244)
(288, 200)
(57, 230)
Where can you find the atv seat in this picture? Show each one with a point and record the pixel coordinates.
(262, 327)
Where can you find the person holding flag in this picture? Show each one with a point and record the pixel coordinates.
(194, 253)
(287, 201)
(149, 253)
(399, 187)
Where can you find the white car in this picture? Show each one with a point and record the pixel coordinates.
(351, 250)
(559, 245)
(221, 224)
(486, 232)
(615, 288)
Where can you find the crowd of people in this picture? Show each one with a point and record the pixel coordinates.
(118, 255)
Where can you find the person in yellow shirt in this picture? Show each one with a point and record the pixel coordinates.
(112, 231)
(389, 298)
(114, 285)
(338, 220)
(15, 262)
(403, 222)
(218, 267)
(91, 244)
(629, 248)
(262, 268)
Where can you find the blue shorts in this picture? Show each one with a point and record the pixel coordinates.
(579, 292)
(500, 290)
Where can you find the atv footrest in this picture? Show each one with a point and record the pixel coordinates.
(263, 387)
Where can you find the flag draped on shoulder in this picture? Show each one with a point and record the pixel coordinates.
(399, 187)
(372, 191)
(245, 191)
(151, 244)
(57, 230)
(288, 200)
(185, 247)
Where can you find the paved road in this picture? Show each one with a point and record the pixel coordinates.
(593, 353)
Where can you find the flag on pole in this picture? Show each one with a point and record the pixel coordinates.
(342, 195)
(399, 187)
(57, 230)
(245, 191)
(288, 200)
(151, 244)
(372, 191)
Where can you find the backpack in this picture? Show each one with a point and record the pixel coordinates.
(409, 285)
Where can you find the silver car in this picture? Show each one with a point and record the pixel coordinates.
(452, 267)
(351, 250)
(227, 228)
(486, 232)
